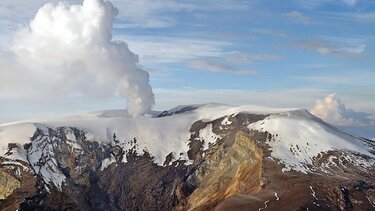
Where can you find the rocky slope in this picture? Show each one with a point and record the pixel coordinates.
(199, 157)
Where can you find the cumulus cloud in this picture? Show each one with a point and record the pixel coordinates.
(67, 50)
(332, 110)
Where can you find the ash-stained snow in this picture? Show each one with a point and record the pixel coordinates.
(298, 137)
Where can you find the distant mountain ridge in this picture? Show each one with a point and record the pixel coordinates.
(193, 157)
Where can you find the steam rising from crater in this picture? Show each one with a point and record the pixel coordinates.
(69, 48)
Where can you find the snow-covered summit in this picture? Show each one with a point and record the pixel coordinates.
(300, 135)
(298, 138)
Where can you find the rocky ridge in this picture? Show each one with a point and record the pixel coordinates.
(230, 161)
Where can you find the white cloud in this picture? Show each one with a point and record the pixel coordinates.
(312, 4)
(332, 110)
(362, 17)
(296, 98)
(170, 49)
(344, 78)
(133, 14)
(19, 109)
(350, 2)
(365, 17)
(67, 50)
(160, 13)
(230, 62)
(146, 14)
(336, 47)
(215, 66)
(247, 58)
(29, 107)
(329, 79)
(196, 53)
(329, 109)
(298, 17)
(270, 32)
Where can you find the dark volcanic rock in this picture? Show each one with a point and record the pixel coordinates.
(141, 184)
(234, 173)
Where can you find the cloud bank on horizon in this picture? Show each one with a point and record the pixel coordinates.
(67, 50)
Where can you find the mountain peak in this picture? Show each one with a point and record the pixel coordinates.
(249, 140)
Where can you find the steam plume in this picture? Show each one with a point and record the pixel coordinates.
(70, 49)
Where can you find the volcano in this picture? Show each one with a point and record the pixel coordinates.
(193, 157)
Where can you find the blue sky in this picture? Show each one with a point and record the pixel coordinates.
(266, 52)
(259, 45)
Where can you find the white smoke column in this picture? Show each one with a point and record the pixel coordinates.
(71, 46)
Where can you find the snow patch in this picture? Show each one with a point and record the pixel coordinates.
(106, 162)
(19, 134)
(208, 136)
(226, 121)
(15, 163)
(312, 192)
(298, 137)
(71, 139)
(277, 197)
(265, 205)
(41, 157)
